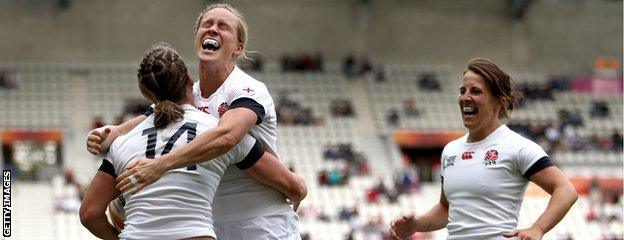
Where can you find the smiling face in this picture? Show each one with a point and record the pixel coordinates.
(479, 108)
(216, 40)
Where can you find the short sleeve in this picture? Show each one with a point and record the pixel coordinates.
(243, 155)
(528, 154)
(251, 105)
(443, 162)
(254, 96)
(252, 157)
(108, 168)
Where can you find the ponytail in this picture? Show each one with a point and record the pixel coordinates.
(166, 112)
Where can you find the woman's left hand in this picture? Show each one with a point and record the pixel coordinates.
(525, 234)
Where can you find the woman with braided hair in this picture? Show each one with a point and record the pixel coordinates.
(179, 206)
(243, 106)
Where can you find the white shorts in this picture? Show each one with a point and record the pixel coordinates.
(284, 226)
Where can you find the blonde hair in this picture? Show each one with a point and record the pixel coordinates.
(241, 28)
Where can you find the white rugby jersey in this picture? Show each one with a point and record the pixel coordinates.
(179, 204)
(484, 182)
(240, 197)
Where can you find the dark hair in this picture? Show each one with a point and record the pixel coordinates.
(498, 82)
(162, 79)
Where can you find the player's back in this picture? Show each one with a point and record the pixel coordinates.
(179, 204)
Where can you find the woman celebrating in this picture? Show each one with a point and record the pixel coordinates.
(485, 172)
(243, 106)
(179, 206)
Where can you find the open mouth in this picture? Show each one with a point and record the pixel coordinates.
(469, 110)
(210, 44)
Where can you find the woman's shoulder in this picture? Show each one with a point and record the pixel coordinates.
(458, 142)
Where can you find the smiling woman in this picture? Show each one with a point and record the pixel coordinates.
(221, 25)
(482, 193)
(485, 98)
(243, 105)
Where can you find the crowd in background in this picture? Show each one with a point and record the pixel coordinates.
(605, 207)
(409, 110)
(353, 68)
(341, 108)
(554, 138)
(7, 80)
(429, 81)
(542, 91)
(302, 63)
(564, 135)
(354, 164)
(67, 202)
(290, 111)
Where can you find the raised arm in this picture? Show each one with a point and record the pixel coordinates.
(271, 172)
(93, 209)
(563, 196)
(436, 218)
(99, 139)
(233, 126)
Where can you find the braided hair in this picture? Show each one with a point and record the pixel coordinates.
(162, 79)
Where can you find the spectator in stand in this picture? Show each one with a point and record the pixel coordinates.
(559, 83)
(7, 80)
(334, 177)
(323, 178)
(289, 110)
(599, 109)
(409, 108)
(576, 119)
(97, 122)
(302, 63)
(331, 152)
(380, 74)
(372, 196)
(393, 117)
(616, 138)
(429, 81)
(319, 63)
(70, 179)
(322, 216)
(348, 66)
(341, 108)
(365, 66)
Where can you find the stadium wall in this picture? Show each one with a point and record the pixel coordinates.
(556, 35)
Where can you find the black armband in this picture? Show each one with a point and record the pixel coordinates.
(107, 167)
(540, 165)
(251, 105)
(252, 157)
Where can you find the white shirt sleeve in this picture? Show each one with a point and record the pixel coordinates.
(443, 159)
(256, 91)
(528, 153)
(240, 151)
